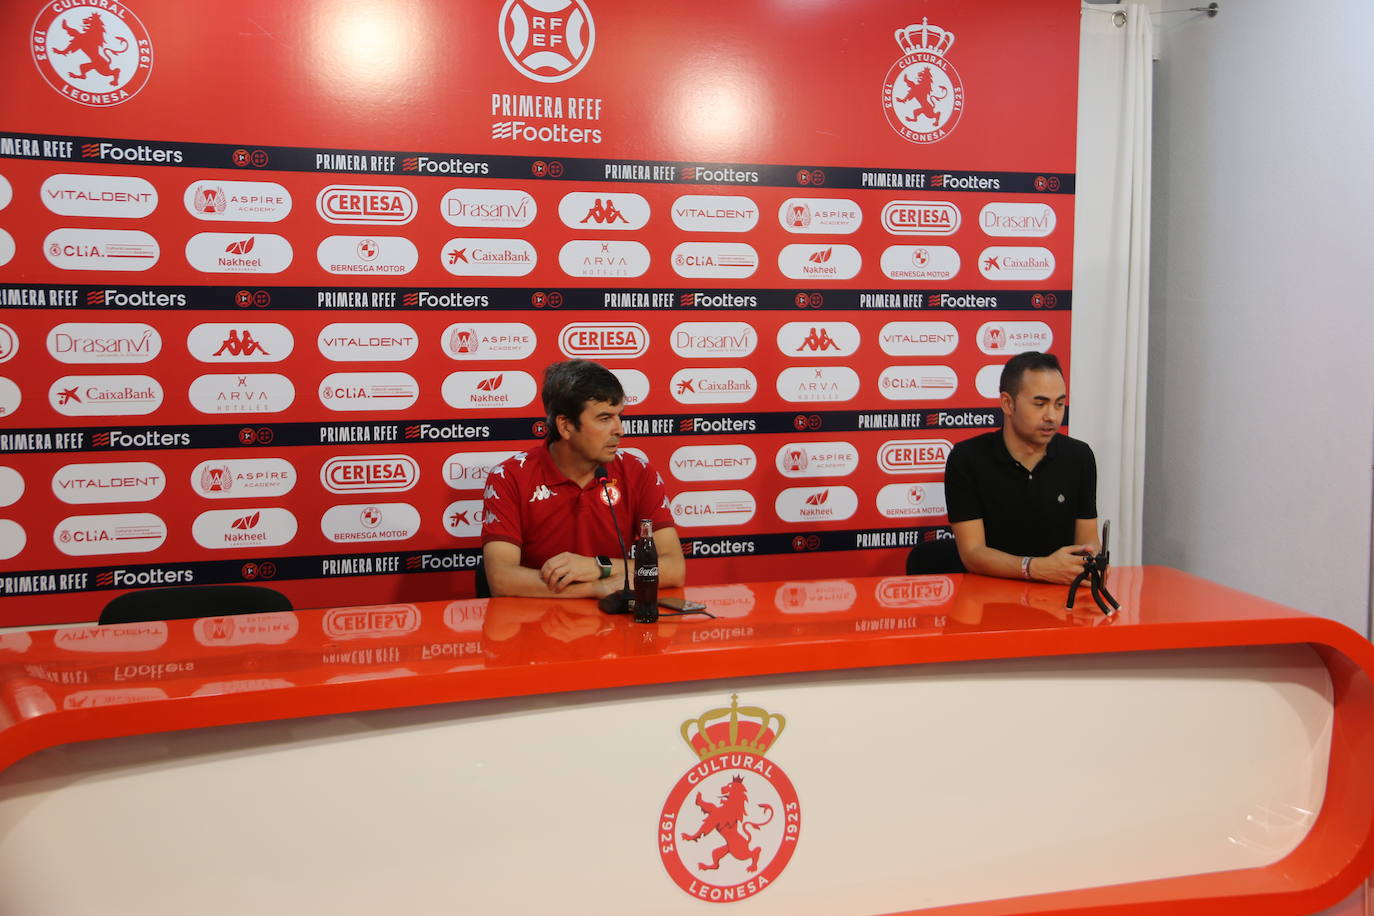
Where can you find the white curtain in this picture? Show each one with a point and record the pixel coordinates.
(1111, 262)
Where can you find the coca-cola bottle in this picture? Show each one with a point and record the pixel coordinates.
(646, 574)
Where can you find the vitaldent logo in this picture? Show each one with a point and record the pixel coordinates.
(371, 255)
(93, 535)
(473, 257)
(808, 339)
(240, 342)
(495, 340)
(370, 204)
(489, 390)
(598, 258)
(799, 384)
(114, 482)
(79, 342)
(917, 383)
(603, 340)
(238, 253)
(488, 208)
(921, 217)
(713, 462)
(234, 529)
(266, 392)
(243, 478)
(918, 338)
(713, 339)
(469, 470)
(599, 211)
(370, 474)
(911, 500)
(819, 262)
(712, 508)
(1002, 218)
(345, 391)
(817, 459)
(815, 504)
(100, 249)
(914, 456)
(732, 260)
(820, 215)
(374, 522)
(237, 201)
(349, 341)
(105, 395)
(725, 385)
(715, 213)
(109, 196)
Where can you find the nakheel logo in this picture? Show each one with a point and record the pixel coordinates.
(105, 395)
(465, 257)
(712, 508)
(596, 258)
(238, 253)
(272, 629)
(817, 459)
(731, 823)
(806, 339)
(374, 255)
(232, 529)
(635, 385)
(923, 263)
(603, 340)
(247, 393)
(116, 482)
(97, 54)
(1002, 218)
(100, 249)
(13, 539)
(242, 342)
(914, 591)
(713, 462)
(997, 337)
(377, 621)
(488, 208)
(825, 597)
(914, 456)
(819, 262)
(599, 211)
(379, 205)
(923, 96)
(733, 260)
(370, 523)
(911, 500)
(917, 383)
(715, 213)
(469, 470)
(726, 385)
(1008, 264)
(114, 196)
(714, 339)
(489, 390)
(370, 474)
(498, 340)
(243, 478)
(79, 342)
(799, 384)
(237, 201)
(918, 338)
(463, 518)
(815, 504)
(369, 391)
(547, 40)
(921, 217)
(820, 215)
(92, 535)
(350, 341)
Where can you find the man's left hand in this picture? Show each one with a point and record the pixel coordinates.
(565, 569)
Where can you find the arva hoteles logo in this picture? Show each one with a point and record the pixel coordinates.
(923, 95)
(97, 54)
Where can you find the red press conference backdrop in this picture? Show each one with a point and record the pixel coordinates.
(278, 280)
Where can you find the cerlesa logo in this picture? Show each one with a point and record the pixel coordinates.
(97, 54)
(923, 95)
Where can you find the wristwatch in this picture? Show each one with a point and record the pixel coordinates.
(606, 568)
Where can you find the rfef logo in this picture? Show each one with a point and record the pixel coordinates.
(547, 40)
(923, 96)
(98, 54)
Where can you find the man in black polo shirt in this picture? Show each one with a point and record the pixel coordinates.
(1022, 500)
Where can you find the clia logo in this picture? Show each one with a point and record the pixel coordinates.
(547, 40)
(97, 54)
(731, 823)
(923, 96)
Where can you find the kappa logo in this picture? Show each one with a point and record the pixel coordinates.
(734, 816)
(923, 96)
(547, 40)
(97, 54)
(540, 494)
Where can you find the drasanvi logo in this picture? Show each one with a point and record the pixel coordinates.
(489, 390)
(240, 342)
(369, 391)
(599, 258)
(9, 343)
(6, 192)
(243, 478)
(97, 54)
(820, 215)
(724, 385)
(547, 40)
(463, 518)
(923, 95)
(353, 341)
(799, 384)
(264, 392)
(921, 217)
(1000, 262)
(917, 383)
(817, 459)
(924, 263)
(105, 395)
(237, 201)
(115, 482)
(370, 474)
(988, 381)
(11, 486)
(998, 337)
(126, 637)
(6, 247)
(590, 210)
(911, 500)
(114, 196)
(272, 629)
(233, 529)
(10, 397)
(713, 462)
(715, 213)
(100, 249)
(377, 255)
(603, 340)
(914, 456)
(491, 340)
(80, 342)
(1003, 218)
(471, 257)
(914, 591)
(12, 539)
(807, 339)
(825, 597)
(91, 535)
(918, 338)
(238, 253)
(635, 385)
(371, 204)
(714, 339)
(370, 522)
(376, 621)
(469, 470)
(488, 208)
(734, 260)
(712, 508)
(819, 262)
(816, 504)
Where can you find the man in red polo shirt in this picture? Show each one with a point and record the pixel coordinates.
(547, 529)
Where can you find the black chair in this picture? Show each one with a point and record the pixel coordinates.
(482, 586)
(934, 558)
(181, 602)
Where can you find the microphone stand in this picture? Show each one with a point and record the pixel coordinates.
(620, 602)
(1095, 571)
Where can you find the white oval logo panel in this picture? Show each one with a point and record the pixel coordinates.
(714, 339)
(495, 340)
(819, 262)
(488, 208)
(918, 338)
(911, 500)
(6, 247)
(635, 385)
(370, 474)
(351, 341)
(917, 383)
(100, 249)
(1027, 220)
(238, 253)
(988, 381)
(595, 258)
(488, 257)
(375, 204)
(248, 393)
(6, 192)
(799, 384)
(925, 263)
(78, 342)
(804, 339)
(115, 482)
(921, 217)
(10, 397)
(726, 385)
(914, 456)
(105, 395)
(599, 210)
(11, 486)
(90, 535)
(996, 337)
(709, 508)
(12, 539)
(243, 478)
(1004, 263)
(9, 343)
(370, 523)
(713, 462)
(237, 201)
(604, 340)
(734, 260)
(820, 215)
(369, 391)
(469, 470)
(367, 255)
(463, 518)
(118, 196)
(248, 342)
(817, 459)
(493, 390)
(233, 529)
(816, 504)
(715, 213)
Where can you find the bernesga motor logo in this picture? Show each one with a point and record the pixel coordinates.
(731, 823)
(923, 96)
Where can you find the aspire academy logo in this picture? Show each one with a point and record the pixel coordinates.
(547, 40)
(96, 54)
(730, 825)
(923, 95)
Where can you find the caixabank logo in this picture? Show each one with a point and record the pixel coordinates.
(923, 95)
(731, 823)
(97, 54)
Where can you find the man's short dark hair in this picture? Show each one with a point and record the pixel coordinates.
(568, 386)
(1020, 364)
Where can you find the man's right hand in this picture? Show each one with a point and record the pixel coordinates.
(1062, 566)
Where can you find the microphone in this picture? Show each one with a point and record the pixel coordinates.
(620, 602)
